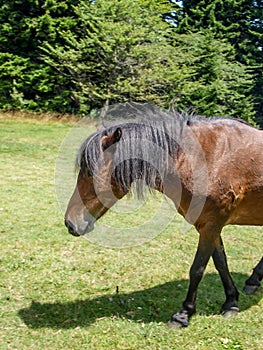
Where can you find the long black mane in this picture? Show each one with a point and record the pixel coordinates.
(142, 155)
(146, 149)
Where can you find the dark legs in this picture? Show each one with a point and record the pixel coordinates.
(209, 244)
(204, 251)
(219, 257)
(253, 282)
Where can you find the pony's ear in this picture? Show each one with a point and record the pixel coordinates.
(111, 139)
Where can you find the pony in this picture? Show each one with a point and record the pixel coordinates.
(211, 168)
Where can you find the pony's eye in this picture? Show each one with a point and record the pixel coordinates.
(88, 173)
(85, 172)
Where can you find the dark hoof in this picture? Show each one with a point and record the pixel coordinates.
(179, 320)
(231, 312)
(249, 289)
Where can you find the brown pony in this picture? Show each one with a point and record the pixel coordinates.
(212, 169)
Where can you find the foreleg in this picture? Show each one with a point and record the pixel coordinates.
(205, 249)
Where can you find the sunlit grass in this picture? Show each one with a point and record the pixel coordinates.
(60, 292)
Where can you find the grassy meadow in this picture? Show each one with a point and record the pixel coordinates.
(62, 292)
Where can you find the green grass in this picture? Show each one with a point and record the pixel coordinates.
(60, 292)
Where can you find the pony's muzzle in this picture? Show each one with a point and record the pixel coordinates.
(71, 228)
(80, 228)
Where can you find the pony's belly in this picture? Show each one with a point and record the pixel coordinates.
(249, 211)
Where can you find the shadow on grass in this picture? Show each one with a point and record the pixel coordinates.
(155, 304)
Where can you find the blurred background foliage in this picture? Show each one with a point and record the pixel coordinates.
(76, 56)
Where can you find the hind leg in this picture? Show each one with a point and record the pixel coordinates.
(229, 307)
(253, 282)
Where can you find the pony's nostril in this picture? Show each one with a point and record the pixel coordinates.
(69, 225)
(71, 228)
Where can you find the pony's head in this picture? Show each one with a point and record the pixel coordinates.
(110, 161)
(96, 190)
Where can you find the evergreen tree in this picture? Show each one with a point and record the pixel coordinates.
(26, 81)
(218, 85)
(238, 21)
(120, 52)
